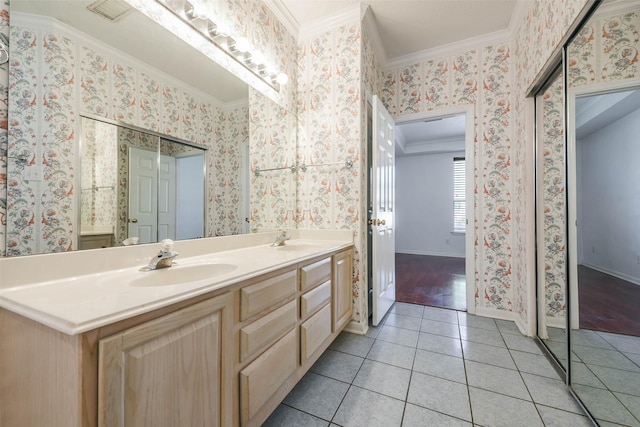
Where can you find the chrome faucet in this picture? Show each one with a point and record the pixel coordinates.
(281, 239)
(164, 258)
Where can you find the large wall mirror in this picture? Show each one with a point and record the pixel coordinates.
(599, 270)
(68, 62)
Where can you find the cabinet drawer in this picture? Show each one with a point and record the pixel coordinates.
(259, 296)
(314, 331)
(262, 378)
(314, 299)
(314, 274)
(266, 329)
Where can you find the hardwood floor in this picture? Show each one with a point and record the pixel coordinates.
(431, 280)
(608, 304)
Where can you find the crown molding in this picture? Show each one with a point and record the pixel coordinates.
(283, 15)
(322, 25)
(369, 23)
(449, 49)
(618, 7)
(518, 16)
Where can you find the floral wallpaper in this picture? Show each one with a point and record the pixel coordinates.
(605, 50)
(229, 159)
(272, 132)
(99, 172)
(540, 32)
(552, 199)
(330, 101)
(4, 84)
(81, 78)
(482, 78)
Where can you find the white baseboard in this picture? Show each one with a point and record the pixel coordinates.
(631, 279)
(556, 322)
(412, 252)
(357, 328)
(496, 314)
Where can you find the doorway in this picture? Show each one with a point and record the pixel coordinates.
(434, 199)
(604, 208)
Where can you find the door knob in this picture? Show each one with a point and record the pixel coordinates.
(376, 222)
(134, 220)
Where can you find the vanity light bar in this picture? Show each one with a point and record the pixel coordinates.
(194, 14)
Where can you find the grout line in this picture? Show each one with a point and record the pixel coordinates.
(412, 377)
(466, 376)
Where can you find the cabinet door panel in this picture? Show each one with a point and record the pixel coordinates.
(260, 380)
(342, 291)
(314, 274)
(266, 329)
(314, 299)
(167, 372)
(314, 331)
(262, 295)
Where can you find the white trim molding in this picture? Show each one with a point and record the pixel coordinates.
(503, 36)
(283, 15)
(353, 13)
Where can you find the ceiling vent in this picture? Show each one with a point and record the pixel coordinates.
(113, 10)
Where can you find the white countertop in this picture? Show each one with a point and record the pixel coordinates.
(79, 301)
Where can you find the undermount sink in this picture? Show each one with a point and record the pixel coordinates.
(182, 274)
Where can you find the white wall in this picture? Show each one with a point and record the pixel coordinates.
(424, 206)
(189, 195)
(608, 199)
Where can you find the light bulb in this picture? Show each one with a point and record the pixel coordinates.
(242, 44)
(200, 9)
(257, 58)
(282, 79)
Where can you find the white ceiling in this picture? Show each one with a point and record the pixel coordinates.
(595, 112)
(410, 26)
(440, 135)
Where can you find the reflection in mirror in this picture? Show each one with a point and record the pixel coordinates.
(604, 208)
(551, 217)
(132, 193)
(67, 62)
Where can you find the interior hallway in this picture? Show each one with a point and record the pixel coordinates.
(426, 366)
(435, 281)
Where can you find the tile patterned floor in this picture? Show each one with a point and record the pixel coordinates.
(606, 373)
(426, 366)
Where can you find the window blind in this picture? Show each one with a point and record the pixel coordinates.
(459, 193)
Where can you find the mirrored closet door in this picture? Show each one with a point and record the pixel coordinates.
(588, 213)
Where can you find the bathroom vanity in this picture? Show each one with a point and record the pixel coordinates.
(218, 340)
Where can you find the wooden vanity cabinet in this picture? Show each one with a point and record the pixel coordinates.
(227, 358)
(321, 294)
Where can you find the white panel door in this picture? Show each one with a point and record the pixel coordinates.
(382, 216)
(143, 178)
(167, 198)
